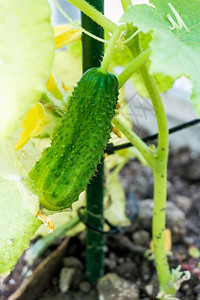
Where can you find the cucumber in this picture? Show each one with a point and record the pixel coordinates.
(65, 168)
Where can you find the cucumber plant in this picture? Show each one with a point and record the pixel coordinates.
(162, 38)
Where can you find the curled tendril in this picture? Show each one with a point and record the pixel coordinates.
(180, 21)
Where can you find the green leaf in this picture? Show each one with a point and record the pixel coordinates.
(194, 252)
(17, 223)
(164, 83)
(16, 164)
(175, 52)
(115, 202)
(26, 57)
(122, 56)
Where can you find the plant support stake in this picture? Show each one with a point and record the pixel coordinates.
(92, 51)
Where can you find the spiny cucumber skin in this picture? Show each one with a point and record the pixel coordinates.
(66, 167)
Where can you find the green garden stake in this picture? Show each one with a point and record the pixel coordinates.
(92, 51)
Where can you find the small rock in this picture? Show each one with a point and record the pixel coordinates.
(187, 163)
(188, 240)
(153, 287)
(183, 202)
(65, 279)
(121, 260)
(197, 289)
(145, 270)
(72, 262)
(149, 289)
(127, 270)
(174, 218)
(85, 286)
(112, 287)
(198, 297)
(141, 237)
(110, 263)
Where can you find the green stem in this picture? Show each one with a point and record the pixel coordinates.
(94, 14)
(42, 244)
(109, 50)
(126, 4)
(135, 140)
(156, 100)
(134, 65)
(160, 181)
(159, 212)
(159, 167)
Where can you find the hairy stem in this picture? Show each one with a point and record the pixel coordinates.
(94, 14)
(159, 212)
(160, 181)
(134, 65)
(109, 50)
(159, 167)
(156, 100)
(135, 140)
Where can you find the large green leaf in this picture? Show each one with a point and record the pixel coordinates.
(121, 57)
(26, 56)
(115, 202)
(17, 223)
(175, 52)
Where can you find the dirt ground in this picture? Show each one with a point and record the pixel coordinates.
(125, 262)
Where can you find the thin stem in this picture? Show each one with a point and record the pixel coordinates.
(134, 65)
(94, 14)
(131, 37)
(159, 167)
(160, 181)
(109, 50)
(135, 140)
(159, 212)
(126, 4)
(76, 25)
(42, 244)
(156, 100)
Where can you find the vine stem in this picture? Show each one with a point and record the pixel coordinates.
(126, 4)
(109, 50)
(158, 164)
(42, 244)
(156, 100)
(135, 140)
(160, 181)
(76, 25)
(134, 65)
(95, 15)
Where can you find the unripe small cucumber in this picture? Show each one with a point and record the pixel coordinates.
(65, 168)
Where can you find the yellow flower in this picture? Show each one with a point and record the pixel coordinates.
(63, 35)
(66, 34)
(33, 125)
(53, 88)
(35, 118)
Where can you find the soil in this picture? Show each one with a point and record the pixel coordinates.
(124, 253)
